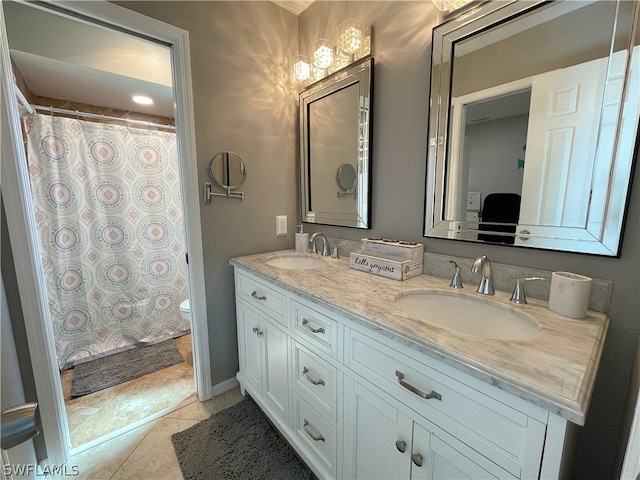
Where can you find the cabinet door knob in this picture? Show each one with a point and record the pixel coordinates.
(305, 324)
(317, 438)
(415, 390)
(401, 446)
(255, 295)
(305, 372)
(417, 459)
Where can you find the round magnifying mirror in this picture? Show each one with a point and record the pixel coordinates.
(227, 170)
(346, 176)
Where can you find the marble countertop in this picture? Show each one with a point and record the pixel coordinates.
(555, 370)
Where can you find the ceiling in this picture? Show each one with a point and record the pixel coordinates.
(295, 6)
(80, 62)
(69, 59)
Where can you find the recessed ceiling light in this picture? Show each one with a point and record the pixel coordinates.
(141, 99)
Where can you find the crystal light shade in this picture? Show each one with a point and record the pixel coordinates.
(353, 42)
(449, 5)
(317, 73)
(322, 53)
(340, 61)
(350, 36)
(300, 69)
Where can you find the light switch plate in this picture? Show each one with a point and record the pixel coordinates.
(473, 201)
(281, 225)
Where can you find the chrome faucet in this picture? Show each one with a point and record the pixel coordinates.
(325, 244)
(456, 281)
(486, 283)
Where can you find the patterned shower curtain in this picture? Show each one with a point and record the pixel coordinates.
(108, 211)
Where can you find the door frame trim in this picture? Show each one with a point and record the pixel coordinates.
(21, 224)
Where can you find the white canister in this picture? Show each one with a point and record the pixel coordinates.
(569, 294)
(302, 241)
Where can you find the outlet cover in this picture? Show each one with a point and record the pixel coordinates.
(281, 225)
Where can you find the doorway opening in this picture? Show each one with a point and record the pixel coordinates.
(36, 68)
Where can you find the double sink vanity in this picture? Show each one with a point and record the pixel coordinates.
(369, 377)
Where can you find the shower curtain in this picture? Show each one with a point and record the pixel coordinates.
(108, 211)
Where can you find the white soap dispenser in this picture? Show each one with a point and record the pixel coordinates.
(302, 241)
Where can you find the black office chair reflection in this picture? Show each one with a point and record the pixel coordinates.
(500, 208)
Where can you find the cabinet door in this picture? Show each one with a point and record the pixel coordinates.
(448, 463)
(377, 437)
(249, 346)
(275, 380)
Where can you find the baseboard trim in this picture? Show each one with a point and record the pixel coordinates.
(224, 386)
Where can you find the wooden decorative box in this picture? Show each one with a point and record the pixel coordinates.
(393, 249)
(385, 267)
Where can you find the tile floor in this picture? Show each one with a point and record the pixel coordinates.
(146, 452)
(118, 433)
(106, 411)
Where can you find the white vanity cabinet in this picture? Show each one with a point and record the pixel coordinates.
(382, 441)
(263, 345)
(460, 425)
(357, 404)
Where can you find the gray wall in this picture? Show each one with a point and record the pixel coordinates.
(402, 37)
(241, 104)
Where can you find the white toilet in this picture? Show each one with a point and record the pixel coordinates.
(185, 310)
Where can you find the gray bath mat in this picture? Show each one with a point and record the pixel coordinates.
(238, 443)
(121, 367)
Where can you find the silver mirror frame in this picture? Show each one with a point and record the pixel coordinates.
(475, 20)
(360, 74)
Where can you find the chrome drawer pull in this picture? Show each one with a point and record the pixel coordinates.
(305, 372)
(305, 324)
(317, 438)
(417, 459)
(255, 295)
(401, 446)
(413, 389)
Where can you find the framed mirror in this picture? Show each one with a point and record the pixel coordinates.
(533, 124)
(335, 124)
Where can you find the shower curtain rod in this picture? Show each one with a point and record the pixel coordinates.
(101, 117)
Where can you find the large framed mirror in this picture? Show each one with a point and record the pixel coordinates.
(335, 123)
(533, 124)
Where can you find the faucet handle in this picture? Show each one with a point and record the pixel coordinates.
(334, 250)
(456, 281)
(518, 296)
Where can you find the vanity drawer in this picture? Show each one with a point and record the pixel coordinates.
(500, 432)
(261, 296)
(317, 437)
(315, 380)
(319, 330)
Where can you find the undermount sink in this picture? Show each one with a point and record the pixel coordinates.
(479, 317)
(296, 262)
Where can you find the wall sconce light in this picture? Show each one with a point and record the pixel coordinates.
(353, 42)
(322, 53)
(450, 5)
(300, 69)
(350, 37)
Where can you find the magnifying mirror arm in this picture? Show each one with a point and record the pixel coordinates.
(349, 191)
(208, 193)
